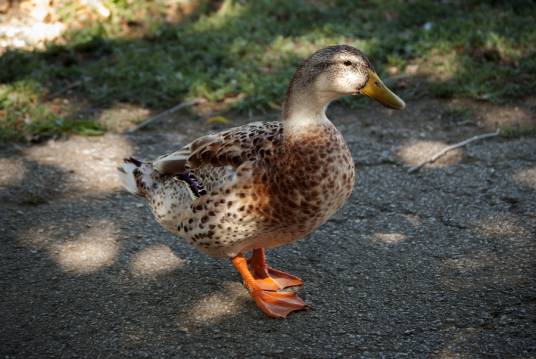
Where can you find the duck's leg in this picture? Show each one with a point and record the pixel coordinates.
(269, 278)
(273, 304)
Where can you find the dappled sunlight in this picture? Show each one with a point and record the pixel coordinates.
(413, 152)
(91, 162)
(154, 260)
(526, 177)
(302, 46)
(12, 172)
(23, 36)
(508, 245)
(122, 116)
(214, 307)
(439, 263)
(457, 339)
(485, 267)
(31, 29)
(89, 252)
(440, 67)
(492, 116)
(33, 25)
(389, 238)
(468, 264)
(501, 226)
(474, 269)
(226, 13)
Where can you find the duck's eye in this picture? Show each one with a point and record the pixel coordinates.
(347, 63)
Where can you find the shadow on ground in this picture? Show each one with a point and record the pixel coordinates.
(433, 264)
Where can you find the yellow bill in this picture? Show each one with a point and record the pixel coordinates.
(377, 90)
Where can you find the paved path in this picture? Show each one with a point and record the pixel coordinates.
(434, 264)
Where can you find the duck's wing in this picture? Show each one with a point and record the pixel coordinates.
(228, 148)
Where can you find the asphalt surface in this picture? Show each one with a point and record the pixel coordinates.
(439, 263)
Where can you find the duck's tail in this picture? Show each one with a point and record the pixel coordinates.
(136, 176)
(167, 196)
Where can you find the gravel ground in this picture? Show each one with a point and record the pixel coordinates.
(439, 263)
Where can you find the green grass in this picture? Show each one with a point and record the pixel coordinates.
(24, 118)
(518, 131)
(242, 53)
(457, 114)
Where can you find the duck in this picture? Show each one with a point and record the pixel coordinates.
(264, 184)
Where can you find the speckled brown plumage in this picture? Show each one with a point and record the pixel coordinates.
(280, 189)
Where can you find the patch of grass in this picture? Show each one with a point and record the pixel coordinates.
(242, 53)
(23, 117)
(518, 131)
(458, 113)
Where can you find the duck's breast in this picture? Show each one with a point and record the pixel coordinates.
(312, 179)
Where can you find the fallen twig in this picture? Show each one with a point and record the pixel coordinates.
(153, 119)
(452, 147)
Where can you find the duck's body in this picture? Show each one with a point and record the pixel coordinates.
(260, 185)
(280, 190)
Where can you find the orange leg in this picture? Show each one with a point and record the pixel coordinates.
(273, 304)
(269, 278)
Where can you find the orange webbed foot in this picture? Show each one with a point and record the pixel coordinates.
(277, 304)
(272, 303)
(284, 279)
(269, 278)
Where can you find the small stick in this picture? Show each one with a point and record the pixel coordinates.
(451, 147)
(153, 119)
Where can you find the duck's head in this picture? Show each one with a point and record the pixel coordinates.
(337, 71)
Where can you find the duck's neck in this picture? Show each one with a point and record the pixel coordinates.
(305, 107)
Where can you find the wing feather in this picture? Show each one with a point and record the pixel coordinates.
(228, 148)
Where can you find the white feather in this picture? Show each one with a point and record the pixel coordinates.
(126, 175)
